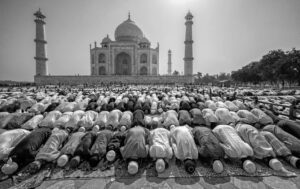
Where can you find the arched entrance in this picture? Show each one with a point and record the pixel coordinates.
(102, 70)
(143, 71)
(154, 71)
(123, 64)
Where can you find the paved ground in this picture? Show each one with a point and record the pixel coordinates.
(271, 182)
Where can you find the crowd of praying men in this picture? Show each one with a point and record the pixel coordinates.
(73, 127)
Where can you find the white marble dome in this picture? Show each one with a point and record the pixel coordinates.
(144, 40)
(128, 31)
(106, 40)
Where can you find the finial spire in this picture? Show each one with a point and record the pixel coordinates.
(39, 14)
(128, 15)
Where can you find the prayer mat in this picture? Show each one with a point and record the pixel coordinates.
(62, 174)
(146, 169)
(32, 181)
(83, 171)
(7, 183)
(231, 168)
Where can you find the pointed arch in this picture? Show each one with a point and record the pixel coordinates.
(102, 70)
(143, 58)
(143, 70)
(154, 71)
(101, 58)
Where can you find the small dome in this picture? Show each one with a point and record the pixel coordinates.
(128, 31)
(106, 40)
(144, 40)
(189, 15)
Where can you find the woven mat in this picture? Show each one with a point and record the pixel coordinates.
(146, 169)
(50, 172)
(96, 172)
(62, 174)
(32, 181)
(230, 169)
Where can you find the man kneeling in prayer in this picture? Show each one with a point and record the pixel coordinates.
(160, 148)
(209, 147)
(50, 151)
(234, 147)
(261, 148)
(136, 147)
(26, 150)
(184, 147)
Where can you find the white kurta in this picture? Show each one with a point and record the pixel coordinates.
(183, 143)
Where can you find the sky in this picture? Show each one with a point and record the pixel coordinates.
(227, 34)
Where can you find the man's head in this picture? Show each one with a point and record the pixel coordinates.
(160, 165)
(133, 167)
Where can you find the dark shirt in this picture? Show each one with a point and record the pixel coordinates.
(111, 106)
(91, 106)
(147, 107)
(130, 106)
(26, 150)
(121, 106)
(208, 145)
(197, 117)
(135, 143)
(184, 117)
(101, 142)
(184, 105)
(138, 118)
(84, 148)
(137, 106)
(52, 107)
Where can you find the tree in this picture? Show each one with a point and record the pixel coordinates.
(292, 65)
(176, 73)
(199, 75)
(267, 69)
(198, 79)
(223, 76)
(208, 79)
(273, 67)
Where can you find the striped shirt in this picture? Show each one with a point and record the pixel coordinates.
(279, 147)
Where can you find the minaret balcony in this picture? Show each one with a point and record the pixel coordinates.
(188, 41)
(39, 21)
(188, 58)
(41, 58)
(40, 41)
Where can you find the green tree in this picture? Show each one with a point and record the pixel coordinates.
(175, 72)
(266, 67)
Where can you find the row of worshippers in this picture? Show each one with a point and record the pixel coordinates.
(154, 102)
(216, 113)
(59, 113)
(242, 141)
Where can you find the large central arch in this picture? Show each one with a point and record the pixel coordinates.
(123, 64)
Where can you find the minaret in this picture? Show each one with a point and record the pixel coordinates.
(169, 62)
(188, 55)
(40, 44)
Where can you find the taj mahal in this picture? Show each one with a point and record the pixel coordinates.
(129, 54)
(129, 58)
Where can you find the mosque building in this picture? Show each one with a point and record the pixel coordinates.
(127, 59)
(129, 54)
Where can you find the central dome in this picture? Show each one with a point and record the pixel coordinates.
(128, 31)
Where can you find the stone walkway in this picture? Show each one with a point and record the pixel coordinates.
(271, 182)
